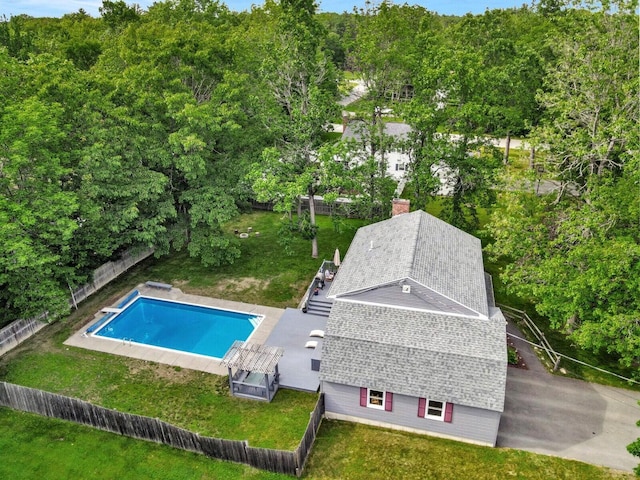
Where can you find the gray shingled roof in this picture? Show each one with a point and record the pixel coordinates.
(420, 247)
(451, 358)
(398, 130)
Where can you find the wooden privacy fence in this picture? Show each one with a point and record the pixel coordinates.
(145, 428)
(521, 317)
(16, 332)
(345, 207)
(107, 272)
(20, 330)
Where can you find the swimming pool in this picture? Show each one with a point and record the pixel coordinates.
(179, 326)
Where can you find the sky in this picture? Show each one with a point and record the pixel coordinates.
(57, 8)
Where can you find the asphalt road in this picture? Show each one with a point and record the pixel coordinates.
(568, 418)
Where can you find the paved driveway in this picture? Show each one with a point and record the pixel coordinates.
(568, 418)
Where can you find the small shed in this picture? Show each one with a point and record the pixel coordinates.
(253, 370)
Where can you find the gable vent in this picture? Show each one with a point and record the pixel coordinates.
(406, 288)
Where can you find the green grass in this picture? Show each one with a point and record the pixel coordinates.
(263, 274)
(35, 447)
(349, 450)
(32, 446)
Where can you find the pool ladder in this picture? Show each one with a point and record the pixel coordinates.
(125, 340)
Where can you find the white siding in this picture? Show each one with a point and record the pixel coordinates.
(468, 423)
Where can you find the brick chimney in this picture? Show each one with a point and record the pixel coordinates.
(399, 206)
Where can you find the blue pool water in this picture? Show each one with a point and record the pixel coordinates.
(179, 326)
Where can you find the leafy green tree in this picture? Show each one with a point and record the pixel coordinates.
(383, 47)
(634, 449)
(15, 37)
(36, 214)
(300, 79)
(118, 14)
(447, 115)
(591, 98)
(178, 91)
(578, 255)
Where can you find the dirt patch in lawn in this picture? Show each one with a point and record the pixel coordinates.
(231, 288)
(169, 373)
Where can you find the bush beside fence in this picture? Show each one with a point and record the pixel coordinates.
(145, 428)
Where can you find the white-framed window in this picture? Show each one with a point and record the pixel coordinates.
(375, 399)
(435, 410)
(378, 399)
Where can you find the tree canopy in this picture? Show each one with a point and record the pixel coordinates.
(155, 128)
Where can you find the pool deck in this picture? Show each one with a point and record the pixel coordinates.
(171, 357)
(292, 333)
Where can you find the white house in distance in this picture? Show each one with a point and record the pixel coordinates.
(398, 159)
(414, 340)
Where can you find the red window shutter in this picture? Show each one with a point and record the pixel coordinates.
(363, 396)
(448, 412)
(388, 401)
(422, 406)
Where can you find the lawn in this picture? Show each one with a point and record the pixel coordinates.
(192, 400)
(31, 446)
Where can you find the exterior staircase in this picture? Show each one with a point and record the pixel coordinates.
(319, 306)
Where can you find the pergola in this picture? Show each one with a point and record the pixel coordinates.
(256, 370)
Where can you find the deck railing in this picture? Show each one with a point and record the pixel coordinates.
(326, 265)
(521, 317)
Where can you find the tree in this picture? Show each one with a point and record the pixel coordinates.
(301, 82)
(447, 115)
(634, 449)
(36, 214)
(366, 158)
(578, 255)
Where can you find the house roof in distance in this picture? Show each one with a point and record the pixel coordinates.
(393, 129)
(419, 247)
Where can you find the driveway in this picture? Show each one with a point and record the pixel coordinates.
(567, 418)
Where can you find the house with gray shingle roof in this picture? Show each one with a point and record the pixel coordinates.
(397, 157)
(414, 340)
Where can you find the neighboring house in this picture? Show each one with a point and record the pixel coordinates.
(414, 340)
(398, 158)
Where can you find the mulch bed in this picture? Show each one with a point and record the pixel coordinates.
(520, 363)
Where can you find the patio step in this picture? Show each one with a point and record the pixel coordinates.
(319, 307)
